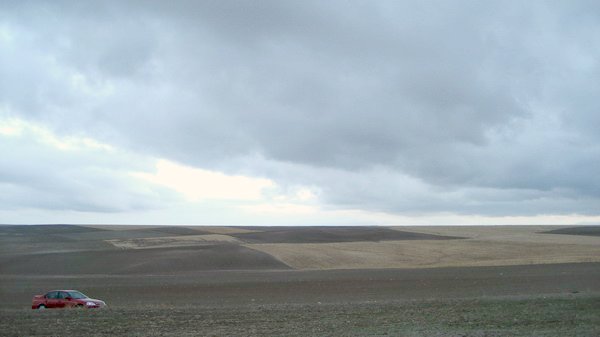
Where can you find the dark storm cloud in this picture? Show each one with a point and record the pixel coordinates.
(468, 107)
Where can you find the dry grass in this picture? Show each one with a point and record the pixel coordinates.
(210, 229)
(121, 227)
(426, 254)
(224, 230)
(522, 234)
(171, 241)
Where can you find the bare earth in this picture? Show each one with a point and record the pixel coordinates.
(300, 281)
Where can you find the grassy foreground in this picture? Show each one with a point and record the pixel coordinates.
(558, 316)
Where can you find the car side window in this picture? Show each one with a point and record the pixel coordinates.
(52, 295)
(62, 295)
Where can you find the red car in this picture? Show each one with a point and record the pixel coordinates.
(65, 299)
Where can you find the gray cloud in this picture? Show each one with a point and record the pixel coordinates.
(466, 107)
(36, 174)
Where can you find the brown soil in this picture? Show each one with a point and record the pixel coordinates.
(238, 288)
(426, 254)
(324, 234)
(140, 261)
(549, 316)
(244, 289)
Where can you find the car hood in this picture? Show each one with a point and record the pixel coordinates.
(93, 300)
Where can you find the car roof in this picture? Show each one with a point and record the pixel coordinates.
(67, 290)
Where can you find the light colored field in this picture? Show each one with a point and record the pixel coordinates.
(171, 241)
(223, 230)
(488, 246)
(210, 229)
(523, 234)
(121, 227)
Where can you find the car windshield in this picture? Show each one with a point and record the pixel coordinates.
(76, 294)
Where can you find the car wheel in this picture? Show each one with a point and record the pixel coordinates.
(41, 307)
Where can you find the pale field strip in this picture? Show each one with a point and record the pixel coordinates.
(172, 241)
(424, 254)
(224, 230)
(522, 234)
(121, 227)
(210, 229)
(488, 246)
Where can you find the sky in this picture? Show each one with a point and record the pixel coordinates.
(300, 112)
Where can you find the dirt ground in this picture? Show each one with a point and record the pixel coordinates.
(479, 246)
(249, 287)
(427, 254)
(171, 241)
(537, 300)
(422, 281)
(558, 316)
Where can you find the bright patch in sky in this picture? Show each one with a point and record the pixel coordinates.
(14, 127)
(198, 184)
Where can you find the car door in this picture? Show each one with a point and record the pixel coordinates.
(68, 300)
(62, 299)
(52, 299)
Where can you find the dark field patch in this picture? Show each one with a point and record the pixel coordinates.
(443, 318)
(33, 245)
(71, 234)
(37, 241)
(30, 230)
(18, 239)
(323, 234)
(109, 235)
(176, 230)
(252, 287)
(133, 233)
(141, 261)
(584, 230)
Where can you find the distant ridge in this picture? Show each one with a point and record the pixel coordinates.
(583, 230)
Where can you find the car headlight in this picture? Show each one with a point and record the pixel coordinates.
(90, 304)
